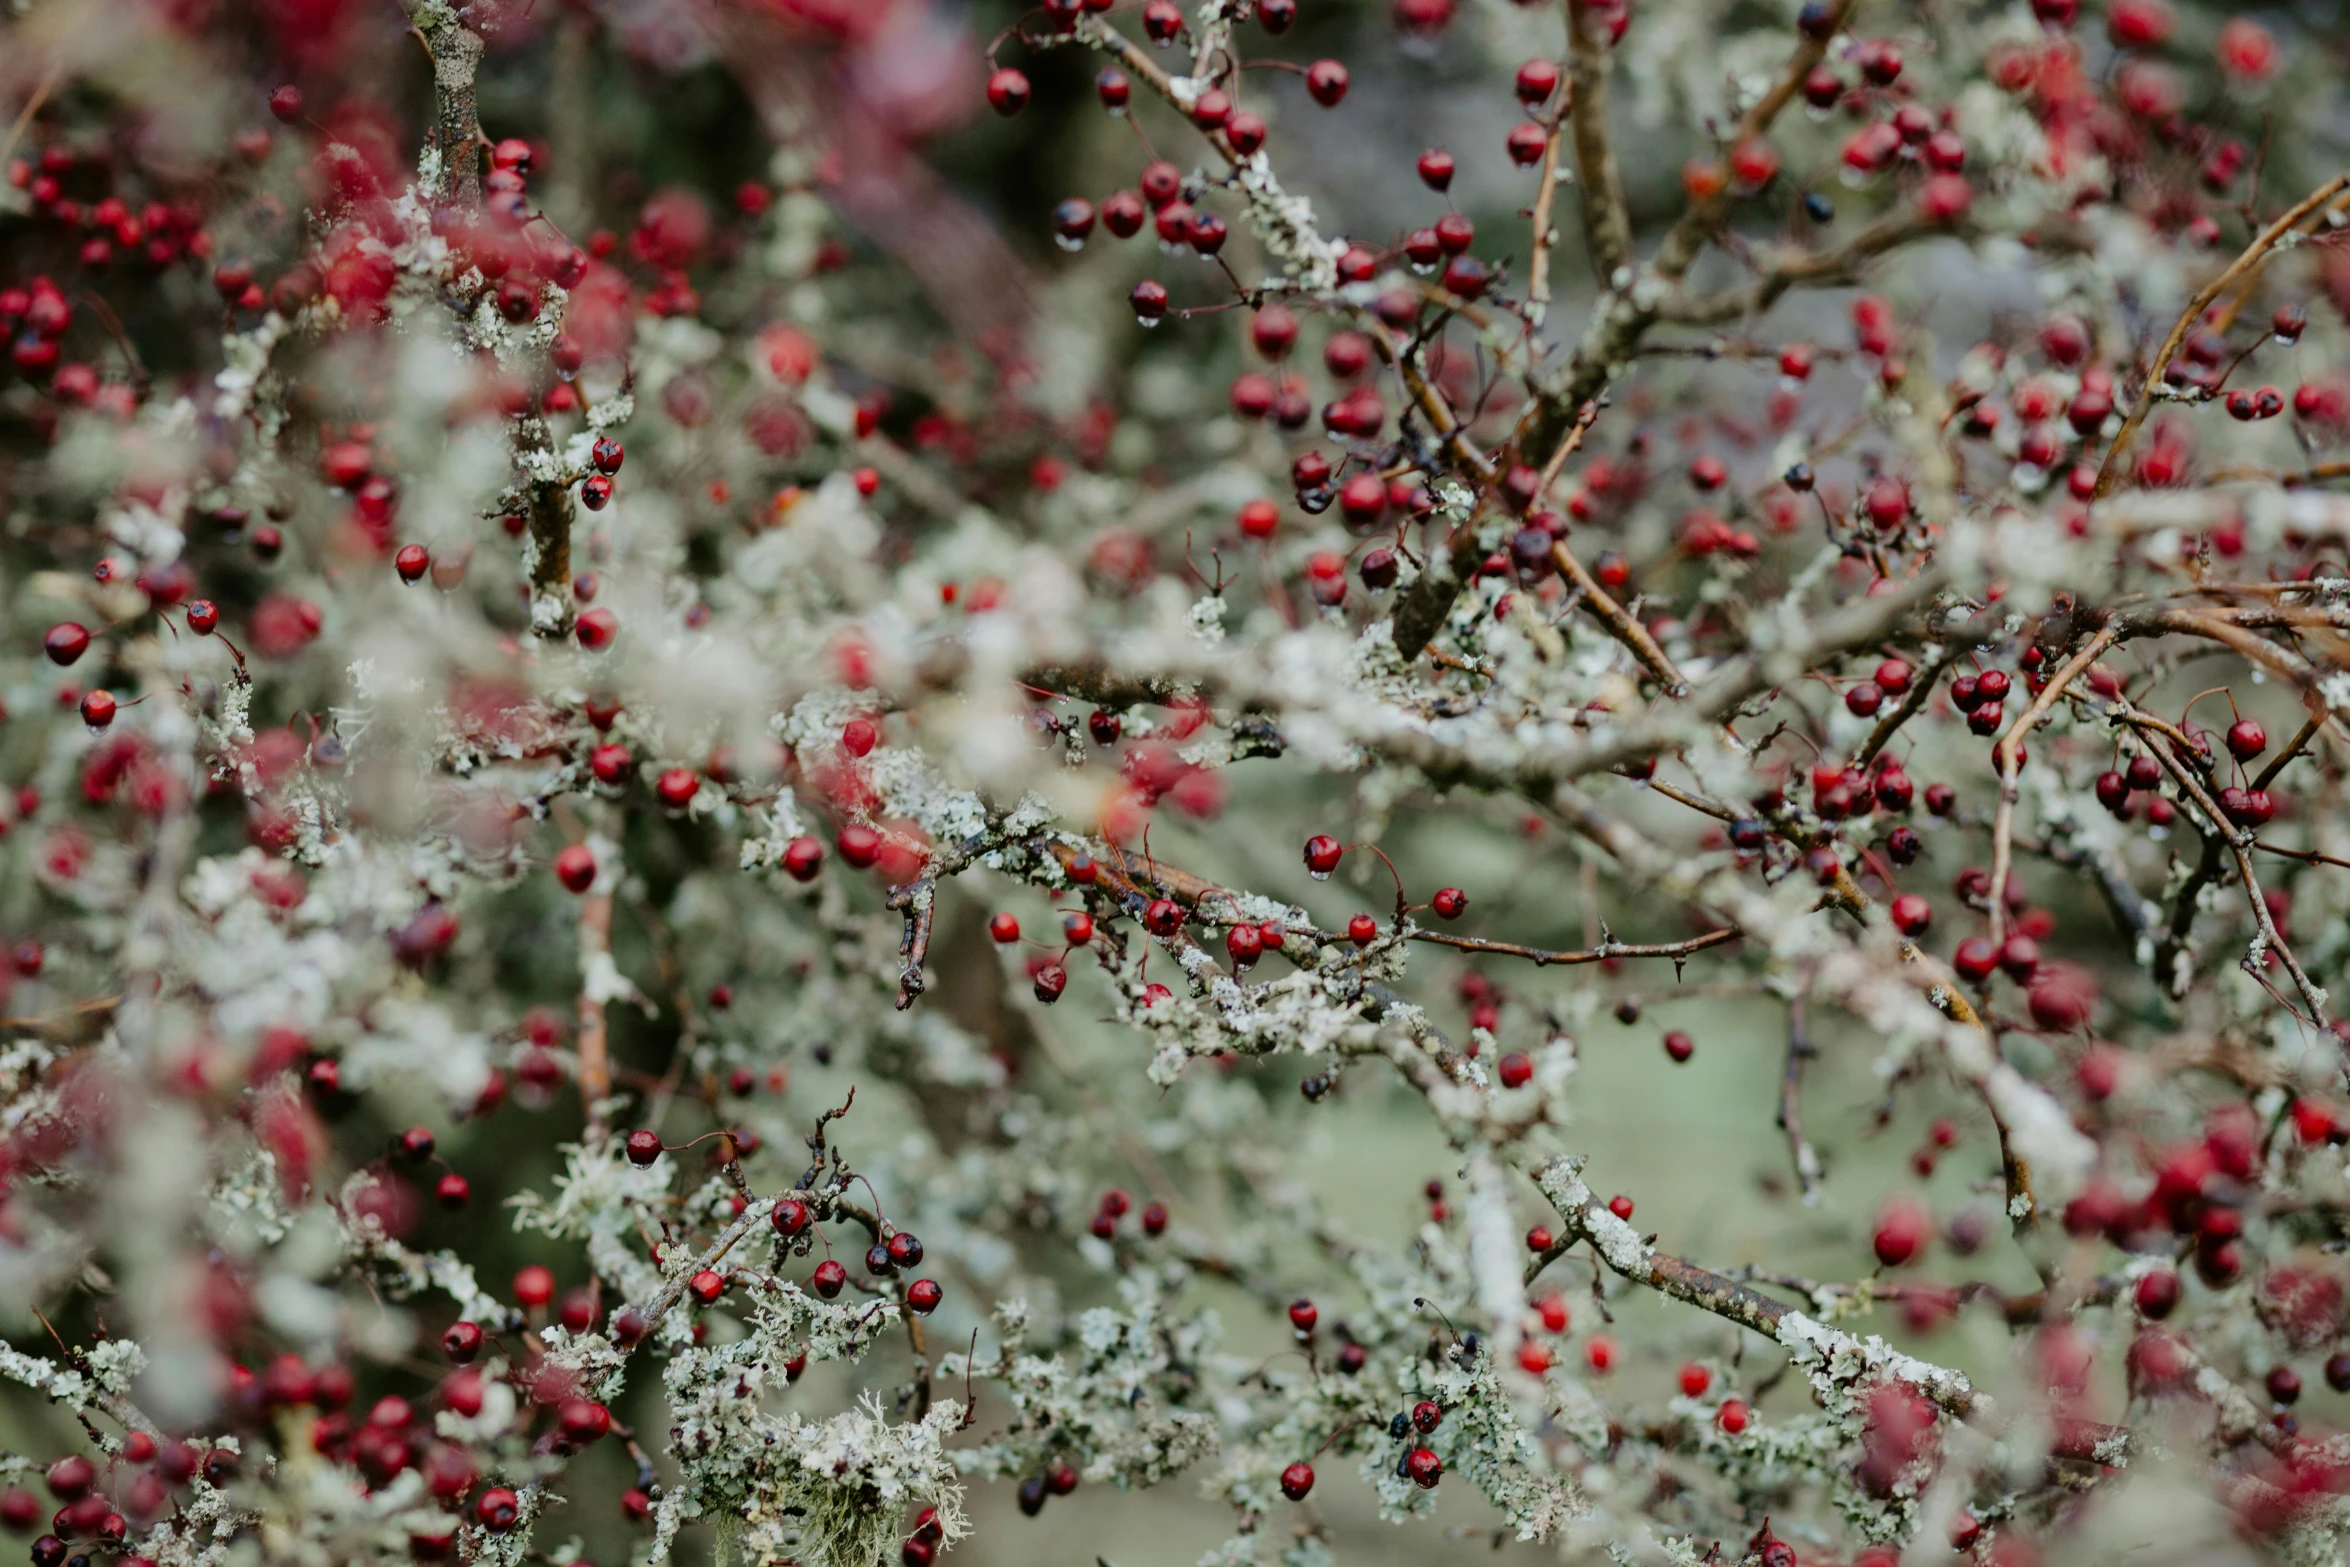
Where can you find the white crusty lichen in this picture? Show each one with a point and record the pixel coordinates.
(786, 1488)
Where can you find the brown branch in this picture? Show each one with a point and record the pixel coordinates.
(1620, 622)
(455, 135)
(1701, 218)
(1921, 690)
(1684, 1281)
(2305, 856)
(2225, 833)
(2315, 473)
(1538, 269)
(1824, 267)
(1858, 624)
(47, 84)
(2007, 755)
(2254, 254)
(1542, 958)
(918, 900)
(1607, 217)
(2292, 749)
(549, 511)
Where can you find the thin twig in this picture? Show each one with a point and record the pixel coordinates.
(1543, 958)
(1607, 217)
(1538, 268)
(2262, 243)
(1621, 623)
(2226, 833)
(2008, 755)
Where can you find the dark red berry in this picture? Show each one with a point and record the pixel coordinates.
(1007, 91)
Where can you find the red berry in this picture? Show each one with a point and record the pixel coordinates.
(1754, 162)
(575, 867)
(1273, 330)
(1888, 503)
(1326, 81)
(923, 1297)
(1007, 91)
(1679, 1045)
(65, 643)
(534, 1286)
(1732, 1416)
(1902, 1227)
(413, 561)
(1695, 1379)
(1323, 853)
(1297, 1480)
(1516, 1069)
(677, 787)
(1436, 169)
(1424, 1468)
(1945, 198)
(499, 1509)
(1303, 1315)
(2140, 24)
(1450, 903)
(596, 629)
(1911, 914)
(707, 1285)
(644, 1147)
(1537, 80)
(1122, 213)
(803, 857)
(859, 845)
